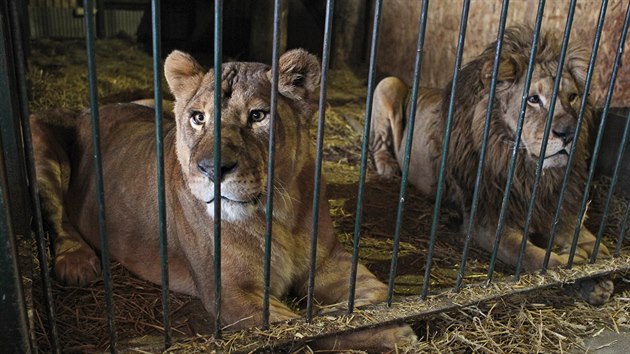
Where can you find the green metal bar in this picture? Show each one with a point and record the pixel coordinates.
(578, 129)
(422, 25)
(622, 233)
(330, 5)
(598, 142)
(98, 171)
(445, 147)
(272, 152)
(543, 147)
(159, 147)
(42, 254)
(602, 225)
(517, 139)
(484, 145)
(14, 334)
(218, 57)
(364, 152)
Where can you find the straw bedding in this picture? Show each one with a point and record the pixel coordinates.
(545, 320)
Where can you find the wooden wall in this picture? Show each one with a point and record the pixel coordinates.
(399, 30)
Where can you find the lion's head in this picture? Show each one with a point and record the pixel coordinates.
(245, 126)
(511, 79)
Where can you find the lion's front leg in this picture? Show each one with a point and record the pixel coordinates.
(241, 289)
(510, 246)
(243, 308)
(585, 245)
(332, 291)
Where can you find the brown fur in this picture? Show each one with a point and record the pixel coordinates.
(66, 174)
(467, 131)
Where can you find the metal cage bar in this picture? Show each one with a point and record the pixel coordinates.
(445, 147)
(159, 147)
(98, 171)
(598, 142)
(484, 144)
(40, 236)
(330, 5)
(613, 182)
(409, 139)
(272, 147)
(624, 227)
(218, 56)
(378, 5)
(517, 139)
(547, 131)
(14, 332)
(578, 128)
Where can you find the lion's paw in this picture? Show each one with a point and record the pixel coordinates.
(402, 336)
(595, 291)
(386, 165)
(601, 252)
(77, 264)
(382, 339)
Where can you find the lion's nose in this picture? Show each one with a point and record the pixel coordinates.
(565, 133)
(206, 167)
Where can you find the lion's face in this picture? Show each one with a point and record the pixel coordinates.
(564, 120)
(245, 127)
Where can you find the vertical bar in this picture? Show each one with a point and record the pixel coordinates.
(517, 139)
(364, 151)
(159, 147)
(611, 190)
(218, 57)
(330, 5)
(272, 145)
(543, 146)
(624, 227)
(445, 146)
(598, 142)
(484, 144)
(31, 173)
(578, 129)
(98, 170)
(410, 128)
(14, 334)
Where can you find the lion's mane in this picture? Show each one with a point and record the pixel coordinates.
(468, 124)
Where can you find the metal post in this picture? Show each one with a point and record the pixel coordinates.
(330, 5)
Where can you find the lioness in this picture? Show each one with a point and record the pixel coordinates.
(65, 169)
(389, 127)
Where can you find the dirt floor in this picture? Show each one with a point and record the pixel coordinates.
(547, 321)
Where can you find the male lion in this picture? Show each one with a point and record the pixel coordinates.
(471, 100)
(65, 168)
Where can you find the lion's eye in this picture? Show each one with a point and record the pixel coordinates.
(197, 118)
(573, 97)
(533, 99)
(257, 115)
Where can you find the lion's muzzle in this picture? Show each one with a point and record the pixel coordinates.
(206, 167)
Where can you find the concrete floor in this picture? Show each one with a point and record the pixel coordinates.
(609, 342)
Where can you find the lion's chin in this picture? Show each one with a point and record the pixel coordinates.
(559, 159)
(234, 210)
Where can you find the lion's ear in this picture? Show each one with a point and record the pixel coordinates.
(509, 70)
(183, 74)
(577, 63)
(299, 75)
